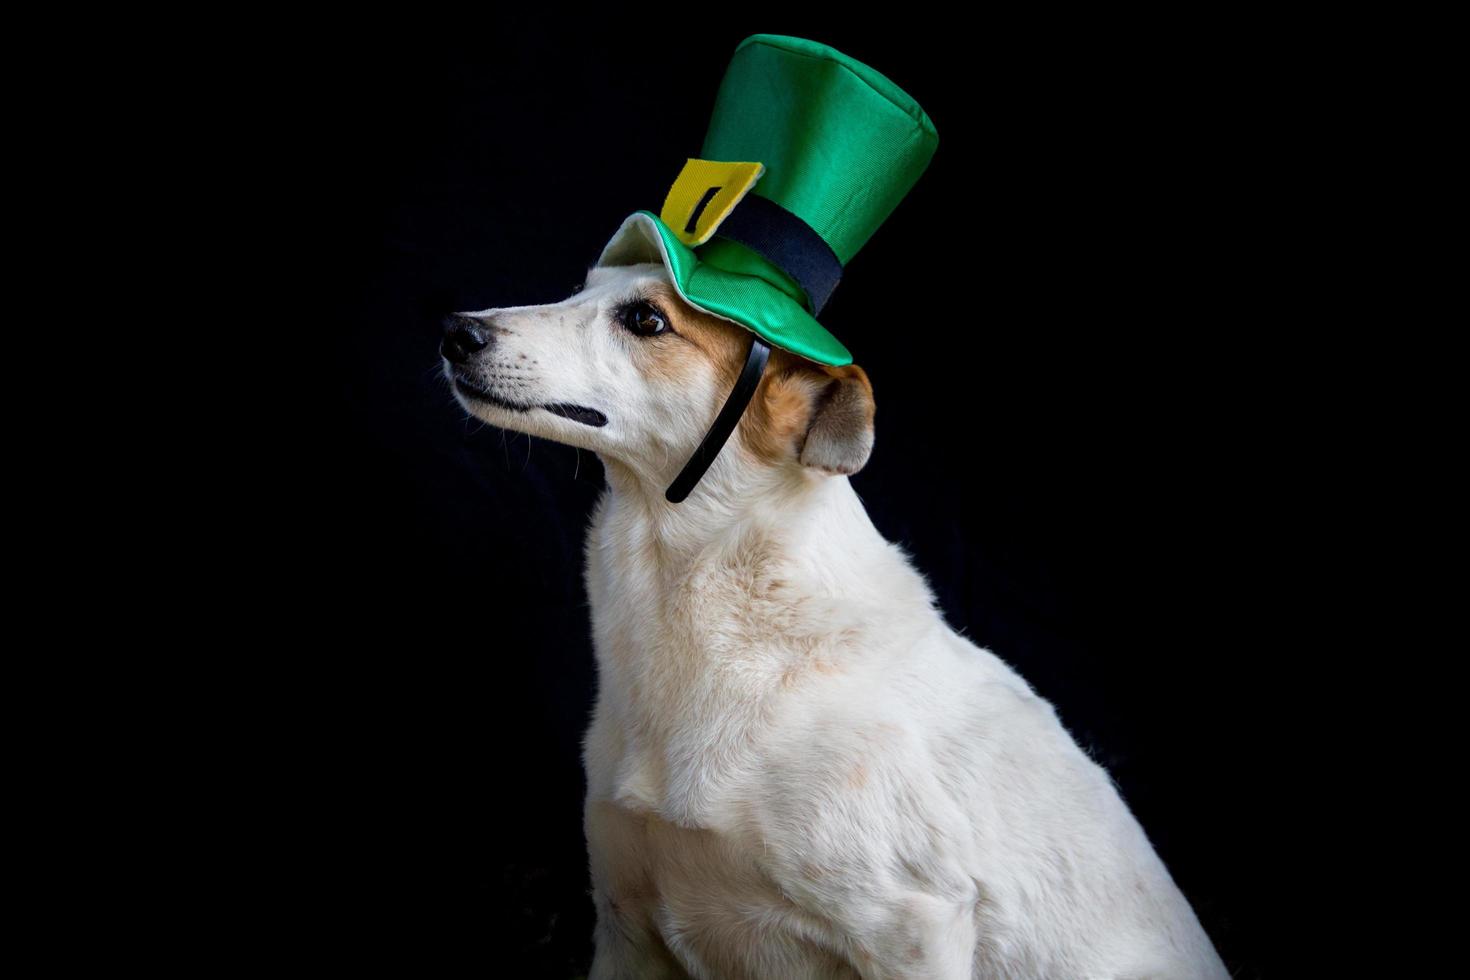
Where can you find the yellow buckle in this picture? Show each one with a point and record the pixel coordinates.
(704, 194)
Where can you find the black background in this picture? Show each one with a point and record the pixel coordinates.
(1084, 428)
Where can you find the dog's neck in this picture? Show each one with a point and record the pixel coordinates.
(817, 519)
(709, 613)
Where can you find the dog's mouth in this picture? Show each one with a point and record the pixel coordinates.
(577, 413)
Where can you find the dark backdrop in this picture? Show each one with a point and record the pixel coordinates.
(1076, 440)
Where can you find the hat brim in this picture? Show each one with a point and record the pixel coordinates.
(747, 301)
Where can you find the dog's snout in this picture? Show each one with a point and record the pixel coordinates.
(464, 336)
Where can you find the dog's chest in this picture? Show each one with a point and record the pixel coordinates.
(690, 670)
(680, 711)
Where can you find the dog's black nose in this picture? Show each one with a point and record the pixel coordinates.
(463, 336)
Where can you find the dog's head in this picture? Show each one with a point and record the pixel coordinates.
(626, 368)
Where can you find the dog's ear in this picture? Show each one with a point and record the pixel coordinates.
(839, 435)
(813, 414)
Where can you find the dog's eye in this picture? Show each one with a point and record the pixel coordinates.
(641, 318)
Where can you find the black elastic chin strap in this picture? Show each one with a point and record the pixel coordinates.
(709, 448)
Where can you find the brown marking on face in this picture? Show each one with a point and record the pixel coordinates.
(704, 342)
(792, 389)
(858, 778)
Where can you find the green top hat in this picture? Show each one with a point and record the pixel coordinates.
(834, 146)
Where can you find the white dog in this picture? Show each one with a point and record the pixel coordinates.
(796, 768)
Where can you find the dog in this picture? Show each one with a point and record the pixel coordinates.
(795, 767)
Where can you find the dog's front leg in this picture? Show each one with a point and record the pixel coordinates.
(628, 945)
(627, 951)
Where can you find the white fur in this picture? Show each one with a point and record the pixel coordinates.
(796, 768)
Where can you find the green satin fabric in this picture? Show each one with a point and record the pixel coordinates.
(779, 318)
(842, 144)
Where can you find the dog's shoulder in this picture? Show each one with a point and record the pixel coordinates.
(943, 746)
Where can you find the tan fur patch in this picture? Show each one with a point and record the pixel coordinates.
(704, 341)
(792, 394)
(781, 408)
(813, 663)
